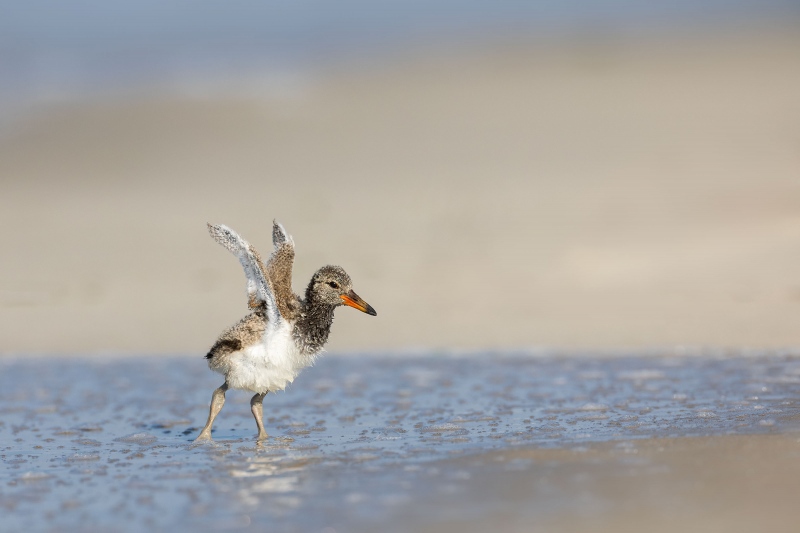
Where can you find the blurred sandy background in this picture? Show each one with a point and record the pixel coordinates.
(588, 188)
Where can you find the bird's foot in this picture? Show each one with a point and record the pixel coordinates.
(262, 436)
(204, 436)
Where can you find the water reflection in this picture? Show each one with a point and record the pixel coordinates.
(275, 476)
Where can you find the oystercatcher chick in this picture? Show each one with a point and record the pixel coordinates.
(284, 333)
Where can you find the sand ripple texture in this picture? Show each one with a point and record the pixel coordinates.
(356, 442)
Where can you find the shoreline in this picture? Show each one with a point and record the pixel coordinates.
(678, 444)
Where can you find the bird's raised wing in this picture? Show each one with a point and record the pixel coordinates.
(279, 270)
(259, 289)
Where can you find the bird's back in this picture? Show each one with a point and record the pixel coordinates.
(246, 332)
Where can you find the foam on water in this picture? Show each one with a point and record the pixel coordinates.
(107, 445)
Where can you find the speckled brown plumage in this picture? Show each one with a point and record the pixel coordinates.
(313, 326)
(283, 334)
(244, 333)
(279, 273)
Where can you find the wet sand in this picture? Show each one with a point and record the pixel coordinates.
(653, 442)
(715, 484)
(587, 193)
(584, 195)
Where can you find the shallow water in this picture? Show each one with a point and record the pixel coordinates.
(354, 442)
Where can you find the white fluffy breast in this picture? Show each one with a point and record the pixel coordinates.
(269, 365)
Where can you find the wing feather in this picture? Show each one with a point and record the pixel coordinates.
(259, 287)
(279, 270)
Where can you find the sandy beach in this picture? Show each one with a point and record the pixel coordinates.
(584, 193)
(584, 252)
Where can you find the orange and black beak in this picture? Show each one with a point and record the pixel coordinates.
(354, 300)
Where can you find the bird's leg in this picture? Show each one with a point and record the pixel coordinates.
(217, 401)
(257, 409)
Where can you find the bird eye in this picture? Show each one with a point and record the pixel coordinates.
(333, 284)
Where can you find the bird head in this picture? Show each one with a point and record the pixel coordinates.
(331, 285)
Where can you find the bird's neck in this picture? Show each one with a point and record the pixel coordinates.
(314, 324)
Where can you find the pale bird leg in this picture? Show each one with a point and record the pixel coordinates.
(217, 401)
(257, 408)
